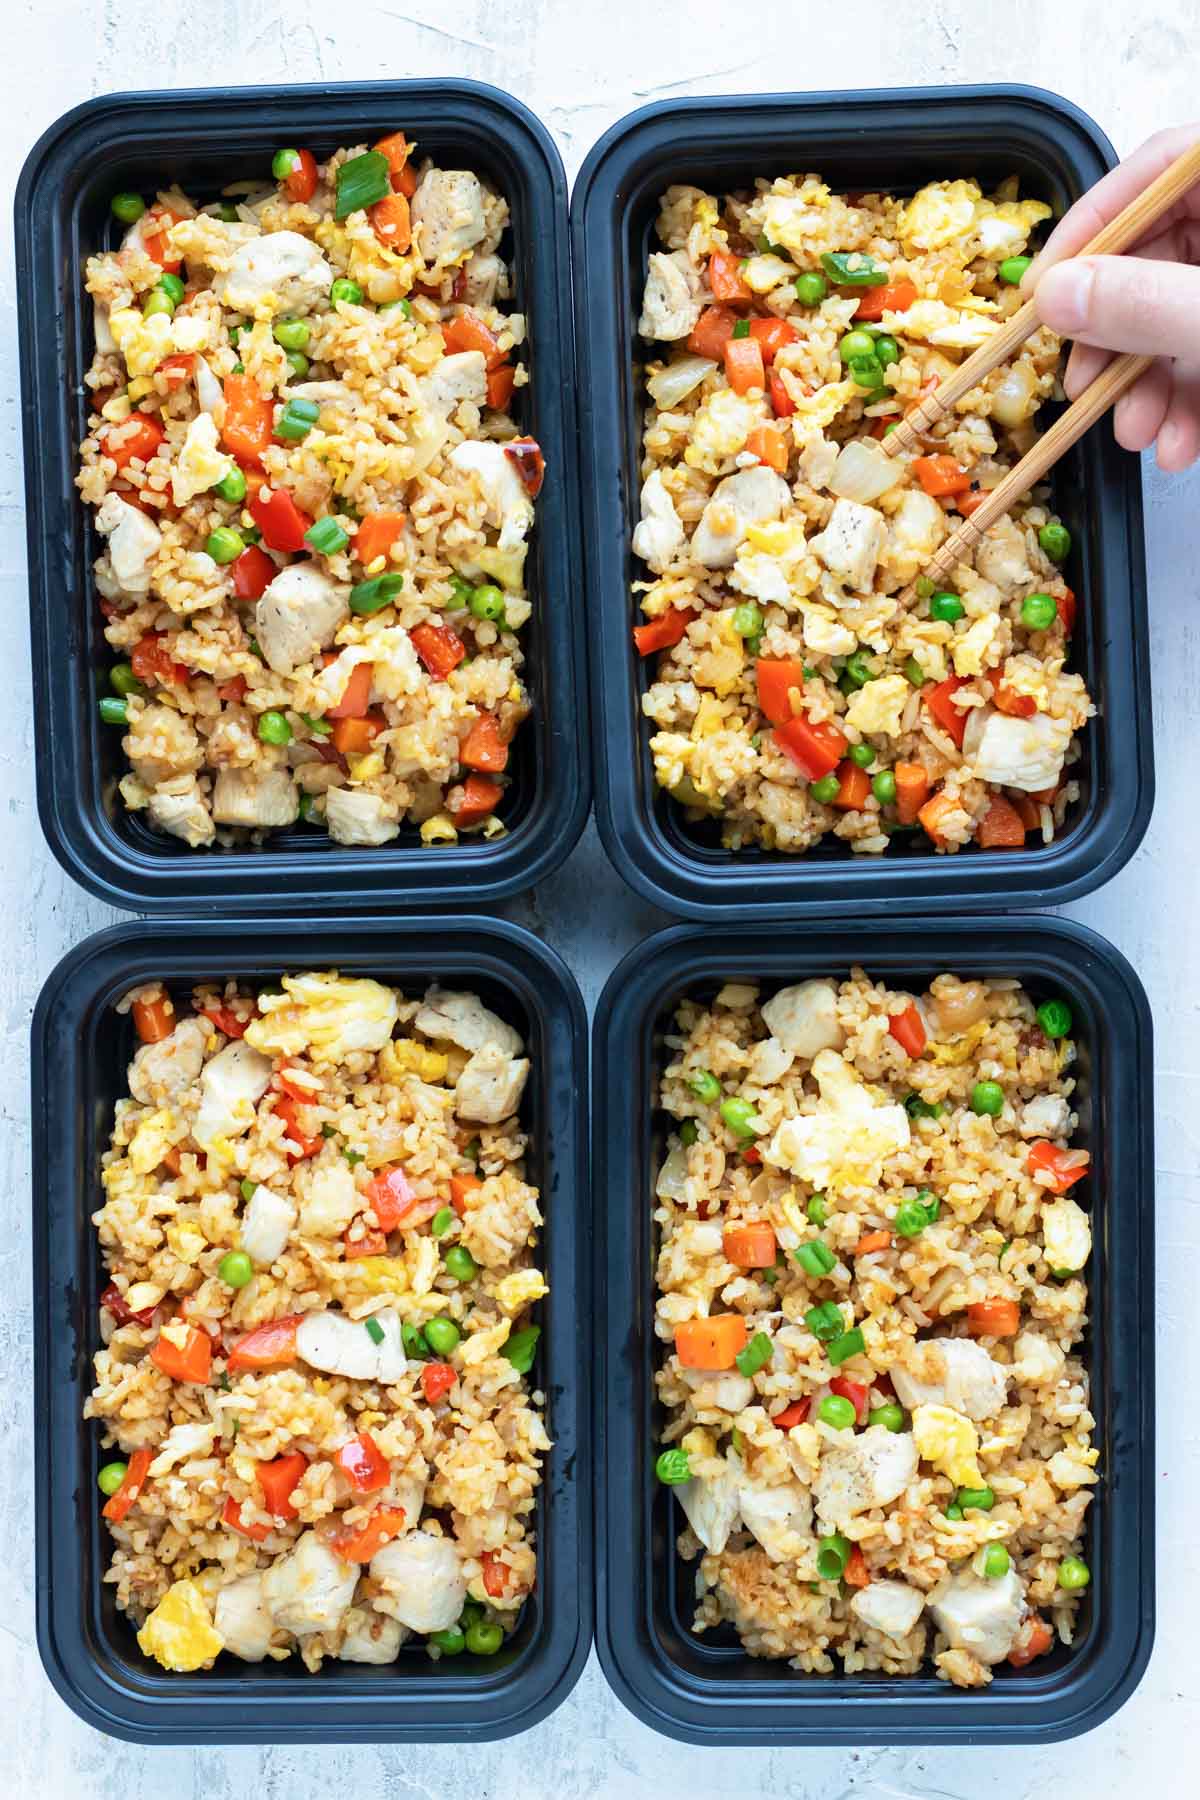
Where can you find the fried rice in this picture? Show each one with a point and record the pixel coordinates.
(796, 696)
(314, 501)
(871, 1303)
(319, 1241)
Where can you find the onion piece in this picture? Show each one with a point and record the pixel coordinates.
(863, 471)
(209, 391)
(673, 1176)
(678, 380)
(974, 729)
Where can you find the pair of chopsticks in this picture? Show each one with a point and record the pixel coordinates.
(1126, 229)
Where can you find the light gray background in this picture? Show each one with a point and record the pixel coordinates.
(580, 67)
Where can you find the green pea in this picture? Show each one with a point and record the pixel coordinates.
(911, 1218)
(442, 1335)
(673, 1468)
(946, 608)
(231, 487)
(1054, 1016)
(981, 1499)
(113, 1474)
(817, 1210)
(157, 301)
(285, 163)
(815, 1257)
(887, 350)
(890, 1416)
(747, 619)
(996, 1562)
(705, 1086)
(856, 343)
(867, 371)
(825, 1321)
(1055, 540)
(450, 1642)
(239, 368)
(883, 786)
(1073, 1572)
(1038, 612)
(291, 334)
(825, 791)
(113, 710)
(954, 1511)
(472, 1610)
(224, 544)
(1012, 270)
(861, 755)
(172, 286)
(484, 1638)
(811, 288)
(486, 602)
(914, 672)
(834, 1410)
(833, 1552)
(297, 362)
(740, 1117)
(443, 1219)
(123, 680)
(987, 1097)
(273, 728)
(129, 209)
(858, 670)
(235, 1269)
(460, 1263)
(924, 587)
(403, 307)
(345, 289)
(689, 1131)
(414, 1343)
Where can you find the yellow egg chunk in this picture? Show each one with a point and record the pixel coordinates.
(179, 1632)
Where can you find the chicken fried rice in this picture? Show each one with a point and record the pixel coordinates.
(871, 1287)
(796, 694)
(314, 502)
(319, 1243)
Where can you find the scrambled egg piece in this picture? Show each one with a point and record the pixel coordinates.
(1003, 230)
(962, 327)
(762, 273)
(1067, 1235)
(849, 1140)
(403, 1056)
(972, 647)
(179, 1632)
(938, 214)
(325, 1015)
(949, 1441)
(879, 704)
(951, 1055)
(201, 464)
(150, 1142)
(186, 1240)
(519, 1290)
(720, 427)
(815, 411)
(142, 342)
(774, 562)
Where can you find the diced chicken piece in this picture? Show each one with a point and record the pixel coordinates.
(243, 1618)
(670, 306)
(370, 1637)
(978, 1614)
(297, 615)
(658, 535)
(1045, 1116)
(751, 497)
(1001, 557)
(280, 272)
(850, 1139)
(1066, 1234)
(870, 1469)
(481, 277)
(309, 1589)
(231, 1085)
(770, 1061)
(445, 1013)
(182, 1444)
(494, 473)
(332, 1201)
(133, 543)
(341, 1346)
(201, 463)
(357, 818)
(779, 1517)
(1037, 1362)
(162, 1070)
(260, 798)
(804, 1018)
(455, 379)
(713, 1506)
(422, 1580)
(490, 1087)
(888, 1606)
(1023, 753)
(447, 215)
(850, 544)
(183, 814)
(266, 1225)
(712, 1387)
(918, 526)
(954, 1372)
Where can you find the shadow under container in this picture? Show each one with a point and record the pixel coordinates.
(707, 1689)
(80, 1050)
(891, 141)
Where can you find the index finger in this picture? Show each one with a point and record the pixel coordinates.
(1110, 196)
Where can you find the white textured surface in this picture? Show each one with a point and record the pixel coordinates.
(581, 68)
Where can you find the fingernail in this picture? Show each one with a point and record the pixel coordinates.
(1064, 296)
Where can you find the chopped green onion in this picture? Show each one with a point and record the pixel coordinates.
(853, 269)
(415, 1347)
(916, 1108)
(123, 681)
(374, 1330)
(815, 1257)
(113, 710)
(322, 727)
(326, 537)
(297, 419)
(372, 596)
(756, 1355)
(443, 1219)
(825, 1321)
(833, 1553)
(520, 1348)
(742, 328)
(849, 1344)
(689, 1131)
(361, 182)
(249, 1189)
(816, 1209)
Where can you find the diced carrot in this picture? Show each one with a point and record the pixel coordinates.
(744, 365)
(391, 222)
(301, 182)
(395, 148)
(270, 1346)
(870, 1241)
(856, 1574)
(477, 798)
(460, 1187)
(249, 418)
(436, 1381)
(1066, 604)
(1007, 700)
(912, 790)
(1027, 811)
(970, 502)
(277, 1480)
(781, 400)
(712, 332)
(252, 573)
(793, 1415)
(710, 1343)
(725, 277)
(908, 1029)
(1033, 1640)
(815, 749)
(993, 1318)
(353, 736)
(135, 1479)
(1001, 827)
(750, 1246)
(190, 1362)
(495, 1575)
(363, 1464)
(356, 695)
(854, 789)
(940, 701)
(1055, 1168)
(155, 226)
(286, 1109)
(1045, 796)
(661, 633)
(941, 475)
(439, 647)
(768, 443)
(360, 1545)
(280, 520)
(500, 384)
(391, 1197)
(775, 678)
(232, 1516)
(890, 296)
(284, 1083)
(934, 811)
(154, 1020)
(376, 535)
(773, 335)
(138, 436)
(483, 747)
(467, 331)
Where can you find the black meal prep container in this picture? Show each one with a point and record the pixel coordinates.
(80, 1050)
(707, 1690)
(893, 139)
(204, 139)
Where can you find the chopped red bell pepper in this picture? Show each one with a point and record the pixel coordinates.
(135, 1479)
(391, 1197)
(191, 1362)
(285, 1109)
(253, 573)
(775, 678)
(525, 453)
(363, 1464)
(781, 400)
(280, 520)
(356, 695)
(270, 1346)
(711, 333)
(152, 662)
(815, 749)
(439, 647)
(232, 1516)
(113, 1301)
(277, 1479)
(772, 336)
(249, 419)
(495, 1575)
(890, 296)
(138, 436)
(1055, 1168)
(664, 631)
(940, 701)
(356, 1244)
(908, 1029)
(795, 1414)
(226, 1020)
(436, 1381)
(360, 1544)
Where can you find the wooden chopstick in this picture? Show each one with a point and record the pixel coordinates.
(1127, 228)
(1095, 400)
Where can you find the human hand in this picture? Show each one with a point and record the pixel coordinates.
(1146, 301)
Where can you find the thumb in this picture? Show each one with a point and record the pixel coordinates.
(1124, 303)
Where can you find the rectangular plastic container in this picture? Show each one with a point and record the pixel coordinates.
(80, 1050)
(894, 140)
(204, 139)
(707, 1690)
